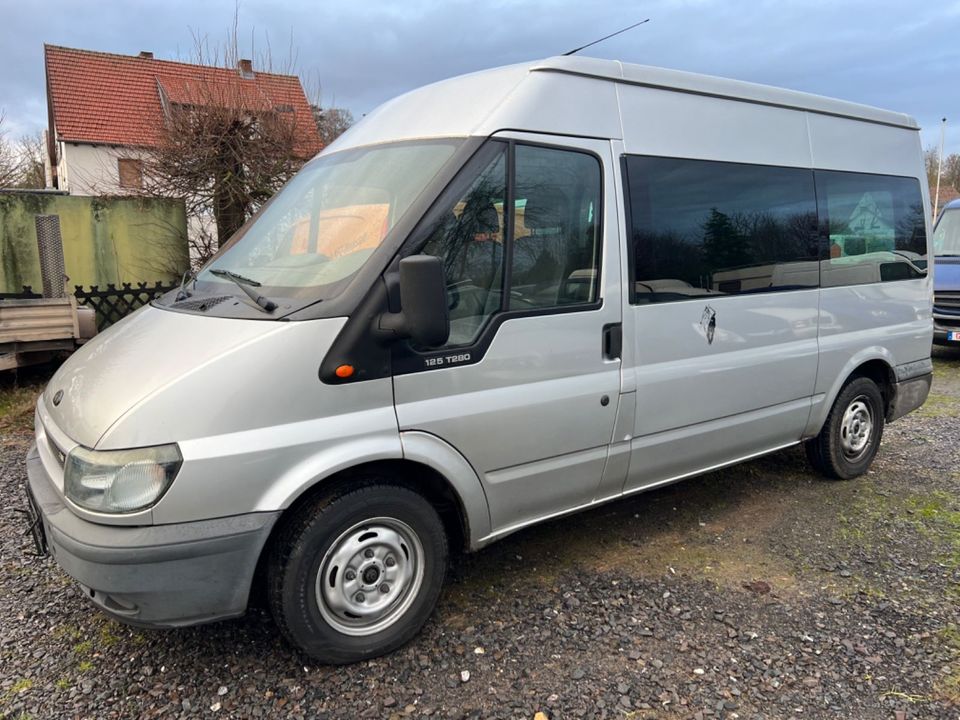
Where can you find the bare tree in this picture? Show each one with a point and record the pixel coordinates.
(930, 157)
(331, 122)
(31, 149)
(951, 171)
(224, 149)
(9, 160)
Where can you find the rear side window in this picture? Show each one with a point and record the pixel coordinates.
(701, 228)
(873, 227)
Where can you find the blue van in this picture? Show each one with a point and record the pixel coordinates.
(946, 276)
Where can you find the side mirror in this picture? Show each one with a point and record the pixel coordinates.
(424, 317)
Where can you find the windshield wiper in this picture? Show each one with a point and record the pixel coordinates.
(948, 255)
(245, 283)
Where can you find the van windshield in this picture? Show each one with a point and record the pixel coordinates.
(946, 238)
(311, 239)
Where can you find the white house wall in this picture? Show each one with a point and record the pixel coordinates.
(91, 169)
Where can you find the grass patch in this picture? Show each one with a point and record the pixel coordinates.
(20, 686)
(948, 687)
(938, 405)
(83, 648)
(17, 405)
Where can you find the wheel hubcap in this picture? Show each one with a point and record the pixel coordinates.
(856, 428)
(370, 576)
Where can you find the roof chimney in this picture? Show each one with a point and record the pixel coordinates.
(246, 68)
(146, 55)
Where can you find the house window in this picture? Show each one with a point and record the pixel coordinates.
(131, 173)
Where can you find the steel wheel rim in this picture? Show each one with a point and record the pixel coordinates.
(369, 576)
(856, 428)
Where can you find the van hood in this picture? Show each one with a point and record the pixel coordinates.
(946, 274)
(158, 375)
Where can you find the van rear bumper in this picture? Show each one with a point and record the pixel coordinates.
(156, 575)
(911, 388)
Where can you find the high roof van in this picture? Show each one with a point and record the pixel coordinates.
(497, 299)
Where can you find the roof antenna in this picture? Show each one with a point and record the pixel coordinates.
(605, 37)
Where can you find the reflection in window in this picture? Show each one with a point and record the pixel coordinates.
(312, 237)
(703, 228)
(466, 233)
(874, 228)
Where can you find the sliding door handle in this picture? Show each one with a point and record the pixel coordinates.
(612, 341)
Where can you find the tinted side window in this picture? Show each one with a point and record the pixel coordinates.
(556, 239)
(703, 228)
(873, 227)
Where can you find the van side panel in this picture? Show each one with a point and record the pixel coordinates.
(844, 144)
(683, 125)
(889, 321)
(886, 321)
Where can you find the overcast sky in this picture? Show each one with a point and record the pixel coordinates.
(896, 55)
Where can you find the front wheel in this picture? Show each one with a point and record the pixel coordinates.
(851, 434)
(356, 574)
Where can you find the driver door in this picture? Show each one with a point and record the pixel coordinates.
(525, 388)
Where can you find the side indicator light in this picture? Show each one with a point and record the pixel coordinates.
(344, 371)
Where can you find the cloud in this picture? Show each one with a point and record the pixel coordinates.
(887, 54)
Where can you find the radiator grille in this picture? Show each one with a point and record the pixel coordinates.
(947, 301)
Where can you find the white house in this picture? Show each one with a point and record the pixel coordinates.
(106, 110)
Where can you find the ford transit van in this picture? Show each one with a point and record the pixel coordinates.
(498, 299)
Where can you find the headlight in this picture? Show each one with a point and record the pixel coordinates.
(120, 481)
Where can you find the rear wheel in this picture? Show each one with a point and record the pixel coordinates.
(851, 434)
(356, 574)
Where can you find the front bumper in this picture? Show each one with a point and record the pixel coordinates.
(942, 325)
(155, 575)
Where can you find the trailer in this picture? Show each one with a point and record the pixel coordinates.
(33, 330)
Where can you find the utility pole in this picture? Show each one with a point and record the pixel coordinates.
(936, 197)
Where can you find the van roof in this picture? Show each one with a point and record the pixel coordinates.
(712, 86)
(571, 96)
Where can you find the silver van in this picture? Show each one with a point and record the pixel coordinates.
(497, 299)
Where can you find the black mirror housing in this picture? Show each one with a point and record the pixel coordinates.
(424, 316)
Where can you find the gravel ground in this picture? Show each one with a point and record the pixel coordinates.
(755, 592)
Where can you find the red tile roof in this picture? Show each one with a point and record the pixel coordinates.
(109, 99)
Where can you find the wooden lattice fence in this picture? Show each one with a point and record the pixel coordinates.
(110, 303)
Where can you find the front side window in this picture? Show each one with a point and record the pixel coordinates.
(467, 234)
(946, 238)
(311, 239)
(556, 243)
(874, 228)
(524, 243)
(702, 228)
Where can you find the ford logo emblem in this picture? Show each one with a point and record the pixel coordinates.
(57, 397)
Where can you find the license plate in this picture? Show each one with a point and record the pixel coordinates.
(35, 526)
(953, 335)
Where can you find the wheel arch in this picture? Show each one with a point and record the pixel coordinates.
(422, 462)
(462, 519)
(875, 363)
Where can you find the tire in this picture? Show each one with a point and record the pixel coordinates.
(851, 434)
(355, 574)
